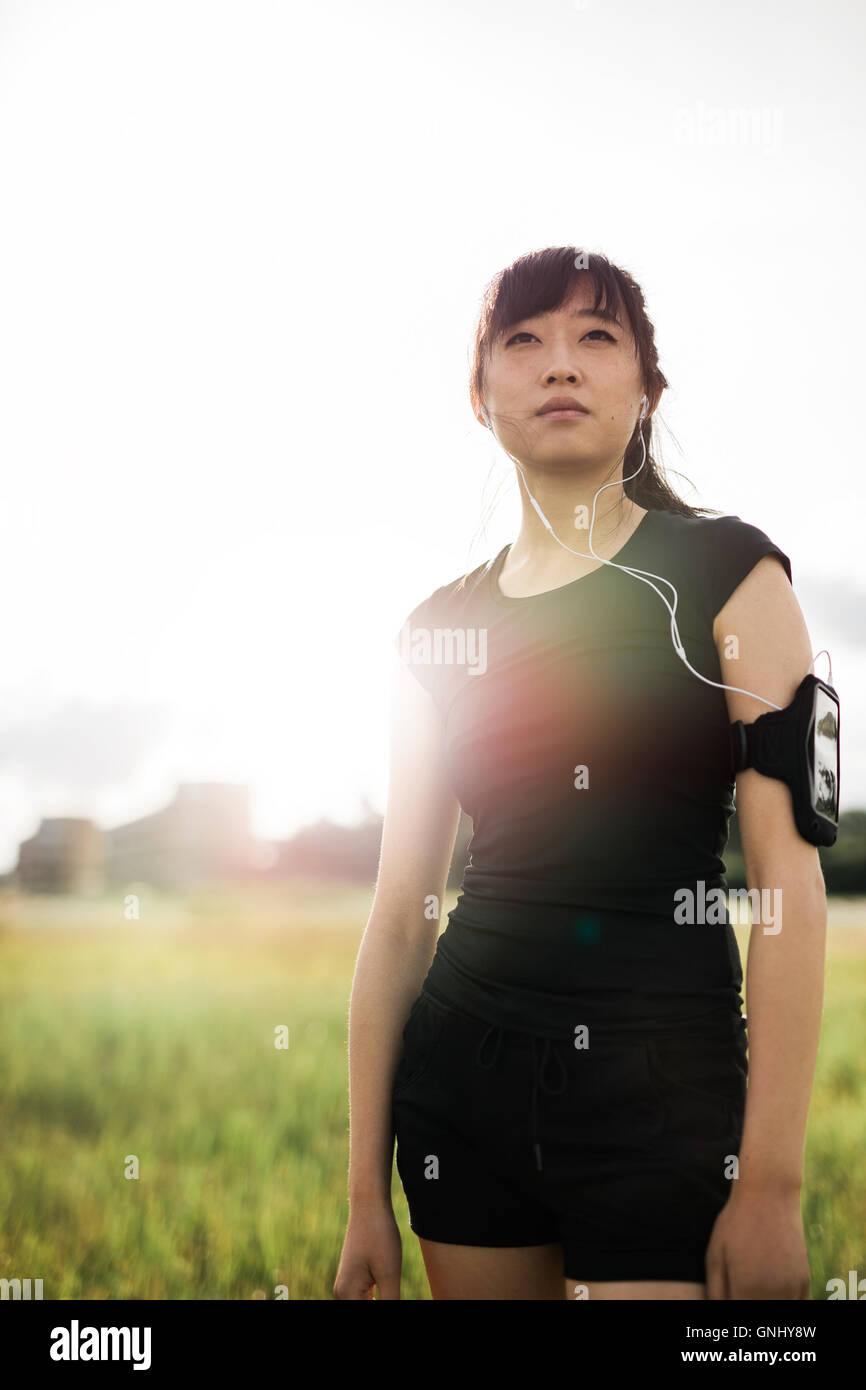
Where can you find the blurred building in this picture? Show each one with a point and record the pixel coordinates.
(66, 855)
(202, 836)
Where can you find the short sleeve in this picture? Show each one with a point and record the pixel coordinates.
(414, 643)
(737, 548)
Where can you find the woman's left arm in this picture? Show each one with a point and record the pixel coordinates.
(758, 1247)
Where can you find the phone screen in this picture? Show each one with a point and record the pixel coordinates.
(825, 761)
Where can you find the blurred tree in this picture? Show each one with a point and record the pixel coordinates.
(843, 864)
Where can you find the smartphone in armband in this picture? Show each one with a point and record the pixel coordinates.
(798, 745)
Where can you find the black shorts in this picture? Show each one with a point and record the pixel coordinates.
(623, 1150)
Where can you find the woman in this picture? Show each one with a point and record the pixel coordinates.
(569, 1091)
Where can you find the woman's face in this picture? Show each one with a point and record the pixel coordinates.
(568, 352)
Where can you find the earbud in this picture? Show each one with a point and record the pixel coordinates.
(485, 415)
(644, 406)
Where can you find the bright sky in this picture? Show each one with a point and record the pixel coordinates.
(241, 254)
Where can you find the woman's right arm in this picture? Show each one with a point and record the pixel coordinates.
(399, 941)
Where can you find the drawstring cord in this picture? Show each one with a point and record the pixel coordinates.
(496, 1033)
(495, 1030)
(538, 1080)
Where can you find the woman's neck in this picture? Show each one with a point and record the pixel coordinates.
(537, 555)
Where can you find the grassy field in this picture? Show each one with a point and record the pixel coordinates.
(155, 1038)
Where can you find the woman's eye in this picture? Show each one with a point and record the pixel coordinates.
(525, 334)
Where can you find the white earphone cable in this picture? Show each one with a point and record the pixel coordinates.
(639, 574)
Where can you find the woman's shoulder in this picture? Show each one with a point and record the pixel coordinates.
(452, 597)
(722, 549)
(720, 533)
(714, 524)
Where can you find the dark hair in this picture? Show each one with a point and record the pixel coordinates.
(540, 282)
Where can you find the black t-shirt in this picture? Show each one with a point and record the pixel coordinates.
(595, 767)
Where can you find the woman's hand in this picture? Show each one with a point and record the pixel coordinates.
(372, 1254)
(758, 1247)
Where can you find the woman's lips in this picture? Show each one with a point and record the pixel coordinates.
(563, 414)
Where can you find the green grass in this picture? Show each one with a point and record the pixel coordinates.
(155, 1038)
